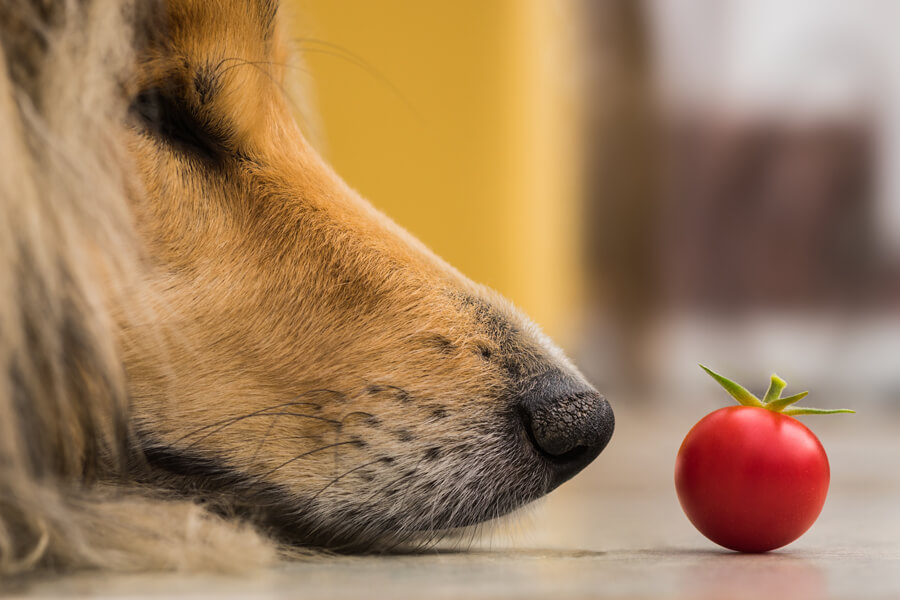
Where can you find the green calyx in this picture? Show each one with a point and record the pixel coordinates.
(772, 400)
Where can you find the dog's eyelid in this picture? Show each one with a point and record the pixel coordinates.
(164, 114)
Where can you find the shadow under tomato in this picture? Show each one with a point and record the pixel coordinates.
(725, 574)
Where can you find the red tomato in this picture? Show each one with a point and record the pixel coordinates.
(751, 479)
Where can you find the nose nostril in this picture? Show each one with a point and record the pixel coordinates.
(569, 429)
(546, 446)
(573, 455)
(554, 437)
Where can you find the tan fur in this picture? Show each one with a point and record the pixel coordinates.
(200, 332)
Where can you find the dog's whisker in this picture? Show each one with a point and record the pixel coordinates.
(353, 414)
(235, 420)
(305, 454)
(265, 437)
(250, 414)
(325, 48)
(295, 402)
(342, 475)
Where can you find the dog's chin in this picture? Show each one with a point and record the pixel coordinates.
(359, 529)
(421, 515)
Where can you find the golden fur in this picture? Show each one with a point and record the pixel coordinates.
(210, 345)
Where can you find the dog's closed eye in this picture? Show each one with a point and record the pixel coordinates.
(161, 113)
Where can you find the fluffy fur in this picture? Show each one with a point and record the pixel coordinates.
(210, 346)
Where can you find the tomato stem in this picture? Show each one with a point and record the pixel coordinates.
(776, 386)
(772, 400)
(779, 404)
(802, 410)
(737, 392)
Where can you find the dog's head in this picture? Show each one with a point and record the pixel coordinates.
(312, 363)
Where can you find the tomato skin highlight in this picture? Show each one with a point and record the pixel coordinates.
(751, 479)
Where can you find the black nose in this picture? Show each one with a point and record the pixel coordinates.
(567, 421)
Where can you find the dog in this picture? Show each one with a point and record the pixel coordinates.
(212, 350)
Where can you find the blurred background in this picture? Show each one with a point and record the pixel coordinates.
(656, 183)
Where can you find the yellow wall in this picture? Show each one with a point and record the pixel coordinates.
(456, 118)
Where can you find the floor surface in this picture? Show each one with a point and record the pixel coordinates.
(615, 531)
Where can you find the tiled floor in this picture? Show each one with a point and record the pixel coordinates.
(616, 531)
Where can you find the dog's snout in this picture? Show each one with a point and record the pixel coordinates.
(568, 422)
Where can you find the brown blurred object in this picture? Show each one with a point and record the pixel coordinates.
(621, 190)
(714, 211)
(761, 215)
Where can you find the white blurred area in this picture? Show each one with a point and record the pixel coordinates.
(802, 59)
(798, 62)
(776, 228)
